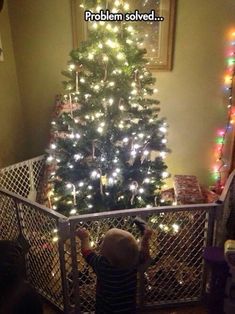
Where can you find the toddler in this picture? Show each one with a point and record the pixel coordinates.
(116, 268)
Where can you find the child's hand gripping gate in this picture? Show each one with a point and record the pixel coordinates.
(141, 224)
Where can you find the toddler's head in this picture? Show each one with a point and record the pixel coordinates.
(120, 248)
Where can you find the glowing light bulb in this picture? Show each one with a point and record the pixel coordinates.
(120, 56)
(221, 132)
(115, 29)
(162, 155)
(82, 80)
(73, 211)
(53, 146)
(117, 3)
(71, 66)
(166, 228)
(77, 157)
(126, 6)
(141, 190)
(165, 174)
(175, 227)
(100, 45)
(134, 92)
(132, 187)
(50, 158)
(129, 41)
(94, 174)
(77, 135)
(71, 136)
(90, 56)
(111, 181)
(69, 185)
(55, 239)
(163, 129)
(110, 43)
(227, 79)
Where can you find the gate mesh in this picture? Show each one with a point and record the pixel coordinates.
(179, 236)
(39, 229)
(23, 177)
(42, 261)
(9, 228)
(176, 247)
(178, 242)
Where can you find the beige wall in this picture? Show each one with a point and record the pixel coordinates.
(11, 122)
(190, 95)
(42, 41)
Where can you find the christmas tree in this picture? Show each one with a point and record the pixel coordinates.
(108, 144)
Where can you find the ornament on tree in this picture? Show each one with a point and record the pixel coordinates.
(134, 187)
(68, 107)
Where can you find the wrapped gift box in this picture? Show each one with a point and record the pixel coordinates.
(187, 190)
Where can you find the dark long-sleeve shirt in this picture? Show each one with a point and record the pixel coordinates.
(116, 288)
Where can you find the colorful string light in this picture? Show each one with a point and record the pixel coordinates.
(220, 167)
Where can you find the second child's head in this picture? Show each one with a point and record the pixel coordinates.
(120, 248)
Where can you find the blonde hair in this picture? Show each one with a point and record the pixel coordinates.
(120, 248)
